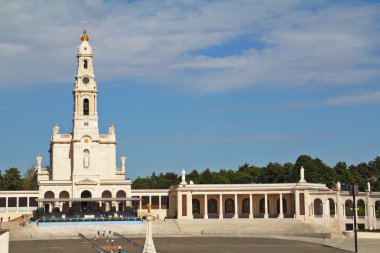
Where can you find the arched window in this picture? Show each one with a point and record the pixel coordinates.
(85, 64)
(85, 194)
(332, 206)
(196, 206)
(212, 206)
(106, 194)
(86, 107)
(262, 205)
(361, 207)
(245, 204)
(377, 209)
(318, 207)
(229, 206)
(64, 195)
(49, 195)
(349, 208)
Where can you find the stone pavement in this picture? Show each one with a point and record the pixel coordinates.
(285, 229)
(185, 245)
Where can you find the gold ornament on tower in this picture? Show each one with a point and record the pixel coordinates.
(84, 36)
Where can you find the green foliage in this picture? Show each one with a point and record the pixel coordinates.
(316, 171)
(12, 180)
(29, 181)
(1, 182)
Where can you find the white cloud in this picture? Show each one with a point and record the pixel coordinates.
(154, 42)
(355, 99)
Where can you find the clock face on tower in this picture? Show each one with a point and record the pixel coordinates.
(85, 80)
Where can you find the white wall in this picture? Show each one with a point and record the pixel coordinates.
(4, 242)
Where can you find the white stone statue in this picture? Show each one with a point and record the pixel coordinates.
(38, 162)
(123, 160)
(302, 175)
(338, 187)
(368, 186)
(86, 159)
(111, 130)
(183, 178)
(56, 129)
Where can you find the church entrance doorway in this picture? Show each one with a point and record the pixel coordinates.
(84, 205)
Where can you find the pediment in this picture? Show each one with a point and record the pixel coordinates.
(86, 181)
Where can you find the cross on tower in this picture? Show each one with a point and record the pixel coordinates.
(84, 22)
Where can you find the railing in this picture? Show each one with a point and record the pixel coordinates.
(93, 245)
(130, 242)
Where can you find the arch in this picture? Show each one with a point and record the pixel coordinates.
(121, 194)
(49, 195)
(85, 194)
(377, 209)
(245, 205)
(212, 206)
(196, 206)
(284, 206)
(64, 195)
(86, 107)
(85, 64)
(318, 207)
(106, 194)
(229, 206)
(332, 206)
(349, 207)
(361, 207)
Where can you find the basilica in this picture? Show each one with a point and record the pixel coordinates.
(85, 181)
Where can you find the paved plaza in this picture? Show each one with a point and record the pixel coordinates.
(183, 245)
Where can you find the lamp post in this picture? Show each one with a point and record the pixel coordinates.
(353, 193)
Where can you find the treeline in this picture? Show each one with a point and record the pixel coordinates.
(11, 180)
(316, 171)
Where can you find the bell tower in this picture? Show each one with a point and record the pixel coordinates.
(85, 119)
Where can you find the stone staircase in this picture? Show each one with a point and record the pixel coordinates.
(173, 228)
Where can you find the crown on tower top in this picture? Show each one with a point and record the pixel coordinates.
(84, 36)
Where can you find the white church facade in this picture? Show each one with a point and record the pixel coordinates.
(84, 179)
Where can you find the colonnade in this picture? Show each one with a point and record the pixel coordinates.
(234, 205)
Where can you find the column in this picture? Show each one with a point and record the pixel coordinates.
(297, 204)
(266, 206)
(344, 211)
(250, 207)
(27, 203)
(17, 204)
(150, 199)
(179, 205)
(140, 205)
(220, 206)
(236, 207)
(189, 199)
(205, 216)
(281, 208)
(159, 202)
(6, 204)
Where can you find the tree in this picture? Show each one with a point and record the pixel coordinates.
(29, 181)
(1, 182)
(12, 180)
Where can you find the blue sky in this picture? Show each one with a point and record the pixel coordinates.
(196, 84)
